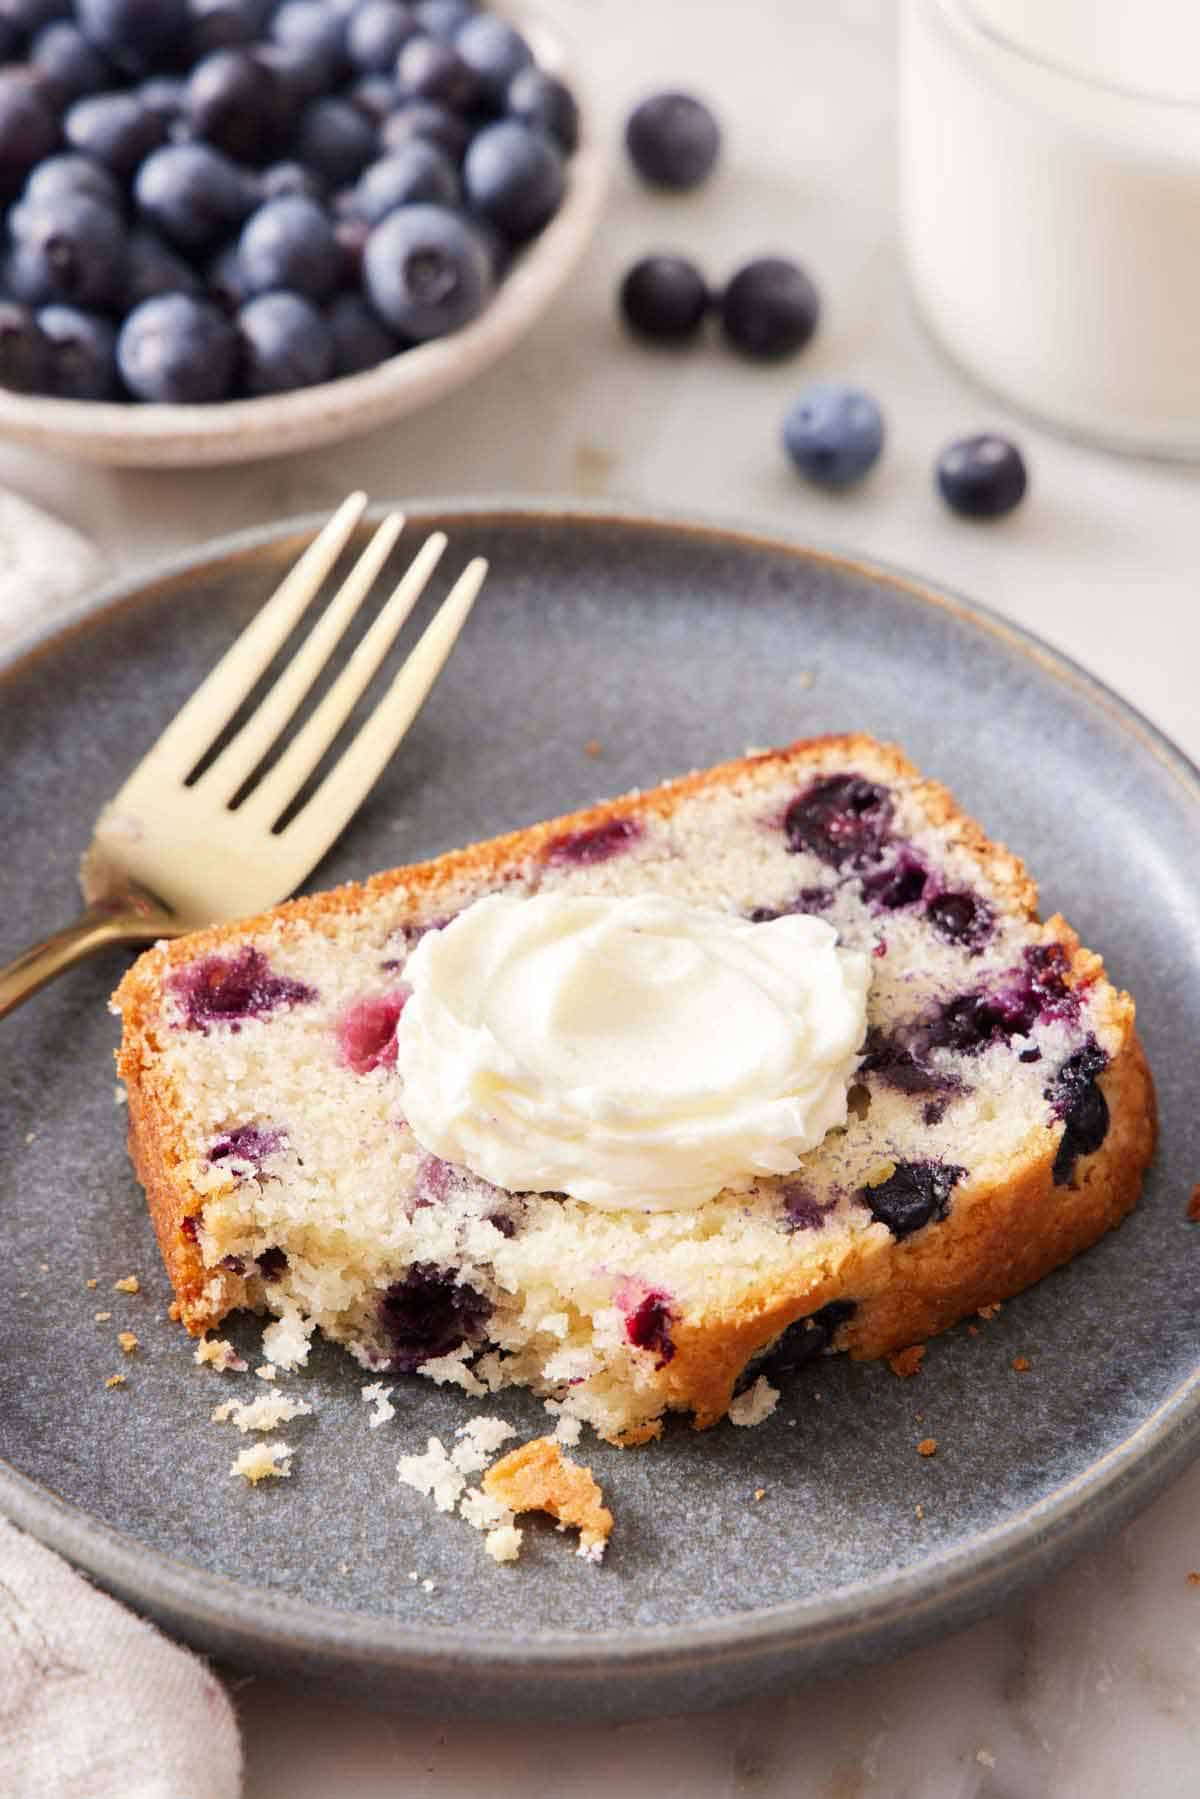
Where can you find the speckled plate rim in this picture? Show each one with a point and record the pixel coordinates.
(853, 1624)
(154, 436)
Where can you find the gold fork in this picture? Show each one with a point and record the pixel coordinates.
(167, 857)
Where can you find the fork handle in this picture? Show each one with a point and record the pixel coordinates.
(95, 929)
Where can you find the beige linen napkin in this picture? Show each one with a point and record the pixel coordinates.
(96, 1704)
(44, 565)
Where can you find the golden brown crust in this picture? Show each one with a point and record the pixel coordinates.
(538, 1477)
(1001, 1235)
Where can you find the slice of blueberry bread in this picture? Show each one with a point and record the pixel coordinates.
(1000, 1120)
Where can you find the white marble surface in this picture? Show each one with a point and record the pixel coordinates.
(1093, 1685)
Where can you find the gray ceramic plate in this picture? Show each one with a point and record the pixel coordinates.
(670, 647)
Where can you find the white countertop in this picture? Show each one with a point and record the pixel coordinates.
(1092, 1685)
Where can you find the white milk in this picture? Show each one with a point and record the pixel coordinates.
(1050, 200)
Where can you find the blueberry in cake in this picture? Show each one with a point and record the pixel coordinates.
(992, 1111)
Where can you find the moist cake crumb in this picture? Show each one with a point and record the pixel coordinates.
(379, 1398)
(907, 1362)
(504, 1543)
(102, 1317)
(1021, 1364)
(115, 1380)
(128, 1341)
(537, 1477)
(263, 1461)
(260, 1414)
(266, 1371)
(927, 1446)
(129, 1283)
(433, 1474)
(755, 1404)
(91, 1285)
(219, 1353)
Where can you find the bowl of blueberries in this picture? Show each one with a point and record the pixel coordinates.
(238, 228)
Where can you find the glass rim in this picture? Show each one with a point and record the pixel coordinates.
(964, 13)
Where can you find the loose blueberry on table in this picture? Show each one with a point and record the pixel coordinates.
(673, 140)
(770, 308)
(369, 168)
(834, 433)
(664, 298)
(982, 477)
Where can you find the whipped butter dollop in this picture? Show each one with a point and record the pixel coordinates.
(631, 1052)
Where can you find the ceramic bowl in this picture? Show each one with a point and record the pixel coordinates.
(141, 436)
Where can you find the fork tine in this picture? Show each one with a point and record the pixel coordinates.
(200, 719)
(348, 783)
(279, 785)
(242, 755)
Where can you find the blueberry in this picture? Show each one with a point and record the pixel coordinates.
(374, 95)
(193, 194)
(673, 140)
(138, 35)
(805, 1340)
(298, 77)
(231, 989)
(834, 433)
(28, 129)
(225, 281)
(335, 139)
(366, 1031)
(960, 918)
(155, 268)
(83, 363)
(427, 69)
(897, 1066)
(770, 308)
(664, 298)
(69, 173)
(351, 233)
(236, 103)
(597, 844)
(290, 244)
(417, 172)
(495, 51)
(24, 352)
(648, 1326)
(840, 819)
(913, 1195)
(426, 271)
(74, 249)
(982, 477)
(27, 17)
(377, 32)
(544, 103)
(443, 18)
(902, 884)
(181, 349)
(224, 24)
(69, 66)
(312, 29)
(513, 177)
(359, 340)
(116, 128)
(1080, 1103)
(289, 181)
(426, 119)
(285, 344)
(164, 96)
(428, 1314)
(246, 1143)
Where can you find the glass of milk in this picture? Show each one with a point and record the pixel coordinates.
(1050, 203)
